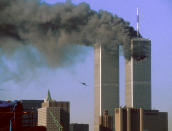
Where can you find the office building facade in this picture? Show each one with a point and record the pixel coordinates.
(54, 115)
(31, 107)
(106, 82)
(138, 75)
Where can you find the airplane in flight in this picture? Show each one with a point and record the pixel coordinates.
(84, 84)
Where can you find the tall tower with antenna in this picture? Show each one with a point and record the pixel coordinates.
(138, 73)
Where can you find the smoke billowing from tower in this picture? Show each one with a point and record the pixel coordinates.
(51, 28)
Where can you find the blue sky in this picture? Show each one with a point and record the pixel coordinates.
(64, 82)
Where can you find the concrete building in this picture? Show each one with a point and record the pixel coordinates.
(79, 127)
(138, 75)
(31, 107)
(132, 119)
(106, 122)
(106, 82)
(54, 115)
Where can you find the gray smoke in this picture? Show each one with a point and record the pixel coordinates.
(52, 29)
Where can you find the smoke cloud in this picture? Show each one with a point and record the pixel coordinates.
(52, 29)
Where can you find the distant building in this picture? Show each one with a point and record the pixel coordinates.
(31, 107)
(106, 122)
(106, 82)
(138, 75)
(54, 115)
(132, 119)
(79, 127)
(10, 115)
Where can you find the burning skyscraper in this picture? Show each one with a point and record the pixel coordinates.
(137, 78)
(138, 75)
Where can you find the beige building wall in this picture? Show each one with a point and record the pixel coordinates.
(106, 122)
(138, 75)
(62, 104)
(42, 117)
(118, 119)
(45, 119)
(106, 82)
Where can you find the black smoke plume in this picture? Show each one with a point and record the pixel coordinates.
(52, 28)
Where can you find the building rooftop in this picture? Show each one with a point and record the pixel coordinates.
(140, 39)
(48, 98)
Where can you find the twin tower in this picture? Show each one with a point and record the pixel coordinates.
(137, 79)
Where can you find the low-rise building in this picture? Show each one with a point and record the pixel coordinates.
(106, 122)
(79, 127)
(132, 119)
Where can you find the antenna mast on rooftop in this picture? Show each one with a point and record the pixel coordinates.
(137, 22)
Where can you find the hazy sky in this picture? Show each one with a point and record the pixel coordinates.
(20, 79)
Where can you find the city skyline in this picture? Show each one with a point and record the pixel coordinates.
(44, 78)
